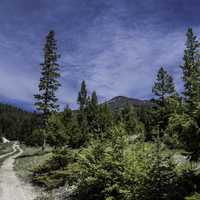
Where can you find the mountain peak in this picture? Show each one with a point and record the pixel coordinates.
(122, 101)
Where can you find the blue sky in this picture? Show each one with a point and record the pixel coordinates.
(117, 46)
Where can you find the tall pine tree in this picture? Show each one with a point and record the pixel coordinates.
(82, 100)
(161, 176)
(164, 85)
(82, 96)
(46, 101)
(191, 73)
(93, 115)
(106, 118)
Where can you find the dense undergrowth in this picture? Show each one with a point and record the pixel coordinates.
(114, 169)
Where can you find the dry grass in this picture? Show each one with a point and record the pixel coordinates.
(30, 158)
(6, 148)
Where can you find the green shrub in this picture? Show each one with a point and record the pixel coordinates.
(184, 130)
(54, 172)
(195, 196)
(112, 170)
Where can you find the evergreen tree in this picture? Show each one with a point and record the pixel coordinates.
(67, 116)
(94, 100)
(191, 77)
(99, 118)
(49, 84)
(130, 120)
(164, 85)
(57, 136)
(160, 181)
(191, 73)
(102, 169)
(82, 97)
(82, 113)
(185, 129)
(106, 118)
(71, 128)
(93, 115)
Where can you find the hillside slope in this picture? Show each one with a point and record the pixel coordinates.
(12, 120)
(119, 102)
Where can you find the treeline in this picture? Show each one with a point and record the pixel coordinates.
(15, 123)
(73, 128)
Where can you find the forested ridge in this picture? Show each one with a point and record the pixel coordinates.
(123, 149)
(13, 122)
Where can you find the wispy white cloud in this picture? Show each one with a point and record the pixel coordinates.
(116, 46)
(17, 85)
(121, 61)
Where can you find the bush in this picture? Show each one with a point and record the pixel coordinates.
(195, 196)
(101, 169)
(112, 170)
(54, 172)
(56, 135)
(182, 129)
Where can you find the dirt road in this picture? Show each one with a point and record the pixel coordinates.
(10, 153)
(11, 187)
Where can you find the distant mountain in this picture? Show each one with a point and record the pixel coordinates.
(17, 103)
(10, 109)
(119, 102)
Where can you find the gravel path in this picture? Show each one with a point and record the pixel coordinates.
(11, 187)
(10, 153)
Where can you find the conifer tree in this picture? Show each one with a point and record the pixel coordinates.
(93, 114)
(159, 185)
(92, 106)
(164, 85)
(67, 116)
(82, 96)
(49, 83)
(106, 118)
(83, 100)
(130, 120)
(94, 100)
(71, 128)
(191, 73)
(191, 77)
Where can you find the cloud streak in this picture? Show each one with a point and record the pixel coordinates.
(116, 46)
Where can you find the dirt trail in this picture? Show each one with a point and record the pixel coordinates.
(10, 153)
(11, 187)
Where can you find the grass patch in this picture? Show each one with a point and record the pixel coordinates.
(33, 158)
(4, 158)
(6, 148)
(61, 166)
(33, 151)
(29, 159)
